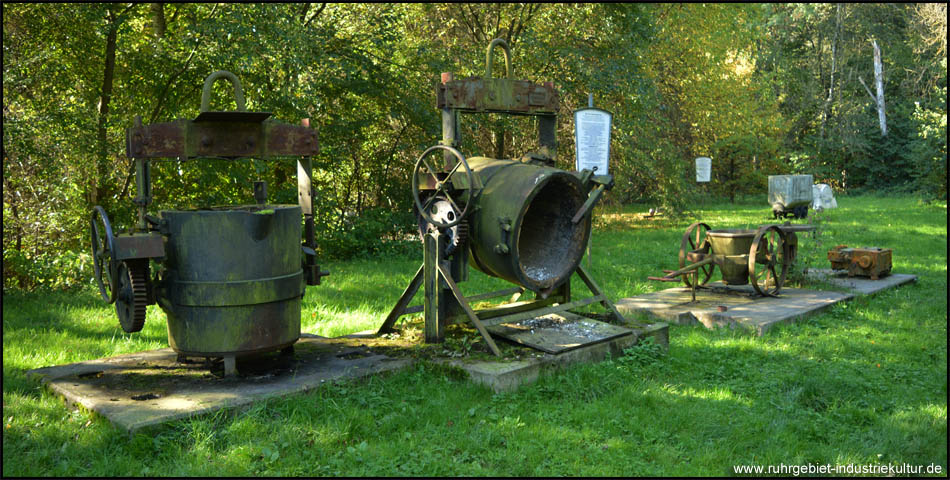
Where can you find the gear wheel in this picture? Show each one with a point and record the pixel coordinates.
(442, 211)
(132, 295)
(459, 239)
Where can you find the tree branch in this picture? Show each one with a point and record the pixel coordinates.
(873, 97)
(315, 14)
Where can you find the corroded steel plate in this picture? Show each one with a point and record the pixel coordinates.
(558, 332)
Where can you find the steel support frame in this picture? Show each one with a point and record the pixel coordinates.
(444, 302)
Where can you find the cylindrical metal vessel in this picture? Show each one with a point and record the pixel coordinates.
(233, 280)
(521, 224)
(733, 246)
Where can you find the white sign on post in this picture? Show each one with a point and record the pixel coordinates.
(592, 139)
(703, 169)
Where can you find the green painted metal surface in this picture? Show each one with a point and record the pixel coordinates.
(731, 241)
(521, 224)
(731, 246)
(233, 280)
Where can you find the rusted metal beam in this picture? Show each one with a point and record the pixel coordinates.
(498, 95)
(400, 308)
(182, 139)
(140, 245)
(468, 310)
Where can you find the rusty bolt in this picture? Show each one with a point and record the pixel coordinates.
(205, 141)
(250, 142)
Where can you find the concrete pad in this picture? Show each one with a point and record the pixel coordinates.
(146, 389)
(734, 306)
(861, 285)
(150, 388)
(508, 375)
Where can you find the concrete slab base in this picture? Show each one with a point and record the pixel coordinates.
(862, 285)
(508, 375)
(733, 306)
(144, 389)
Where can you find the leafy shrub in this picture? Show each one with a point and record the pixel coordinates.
(61, 271)
(644, 353)
(928, 151)
(375, 231)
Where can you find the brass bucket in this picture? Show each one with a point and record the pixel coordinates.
(732, 246)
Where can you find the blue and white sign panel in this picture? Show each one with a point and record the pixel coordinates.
(592, 139)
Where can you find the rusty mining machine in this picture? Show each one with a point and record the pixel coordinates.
(519, 219)
(231, 278)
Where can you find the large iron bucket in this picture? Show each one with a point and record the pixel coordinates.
(234, 280)
(521, 226)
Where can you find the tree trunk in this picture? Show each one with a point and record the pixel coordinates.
(834, 68)
(879, 86)
(732, 179)
(879, 83)
(104, 100)
(158, 19)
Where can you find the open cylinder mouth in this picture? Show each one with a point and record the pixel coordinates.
(549, 245)
(731, 241)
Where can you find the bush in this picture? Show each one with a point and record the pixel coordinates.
(373, 232)
(928, 151)
(63, 270)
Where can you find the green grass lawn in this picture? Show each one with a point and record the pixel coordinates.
(865, 382)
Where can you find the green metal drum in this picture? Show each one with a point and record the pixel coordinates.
(521, 225)
(233, 280)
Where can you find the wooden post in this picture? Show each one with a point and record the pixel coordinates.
(434, 306)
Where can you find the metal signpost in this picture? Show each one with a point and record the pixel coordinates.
(592, 142)
(592, 138)
(703, 169)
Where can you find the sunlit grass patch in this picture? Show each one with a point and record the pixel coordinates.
(862, 382)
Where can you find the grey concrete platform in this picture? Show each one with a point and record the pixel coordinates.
(862, 285)
(741, 310)
(149, 388)
(508, 375)
(141, 390)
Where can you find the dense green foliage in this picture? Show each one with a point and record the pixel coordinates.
(864, 382)
(762, 89)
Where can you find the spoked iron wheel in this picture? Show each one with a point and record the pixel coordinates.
(768, 260)
(103, 248)
(441, 185)
(695, 239)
